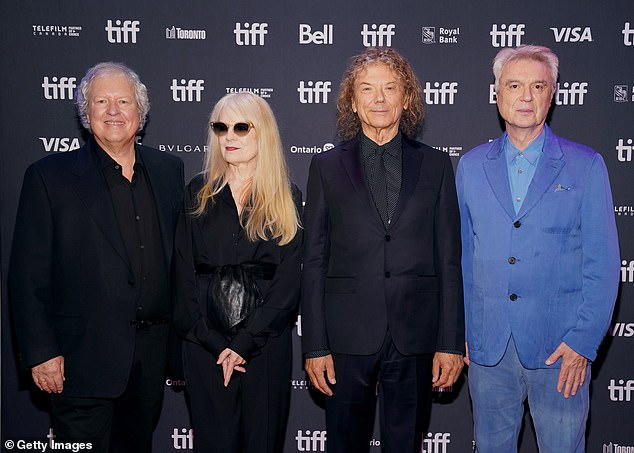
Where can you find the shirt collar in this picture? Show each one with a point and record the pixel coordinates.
(532, 152)
(104, 159)
(369, 147)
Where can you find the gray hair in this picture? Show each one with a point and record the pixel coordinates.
(106, 69)
(526, 52)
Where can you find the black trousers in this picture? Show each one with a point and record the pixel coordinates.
(124, 424)
(404, 386)
(248, 416)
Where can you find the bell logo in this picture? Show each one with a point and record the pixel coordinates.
(441, 93)
(315, 441)
(436, 443)
(122, 31)
(572, 34)
(623, 151)
(59, 87)
(323, 36)
(507, 36)
(571, 93)
(378, 35)
(250, 34)
(187, 90)
(314, 93)
(628, 35)
(622, 391)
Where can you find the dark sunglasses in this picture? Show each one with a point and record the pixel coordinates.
(240, 129)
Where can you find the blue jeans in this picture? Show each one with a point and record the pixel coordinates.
(498, 393)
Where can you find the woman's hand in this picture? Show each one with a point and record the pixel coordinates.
(230, 361)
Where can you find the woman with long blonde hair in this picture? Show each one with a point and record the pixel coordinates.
(238, 255)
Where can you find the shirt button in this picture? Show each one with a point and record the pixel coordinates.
(387, 275)
(138, 217)
(518, 199)
(513, 297)
(512, 260)
(388, 238)
(141, 246)
(117, 167)
(517, 224)
(520, 171)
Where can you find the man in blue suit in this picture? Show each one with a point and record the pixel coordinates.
(540, 263)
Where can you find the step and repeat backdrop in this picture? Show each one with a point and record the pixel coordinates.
(190, 53)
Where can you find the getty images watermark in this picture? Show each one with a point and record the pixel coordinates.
(44, 446)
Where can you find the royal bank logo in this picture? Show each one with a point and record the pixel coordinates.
(187, 90)
(175, 32)
(571, 93)
(622, 329)
(624, 210)
(436, 442)
(60, 144)
(621, 390)
(377, 35)
(627, 271)
(572, 34)
(507, 35)
(314, 92)
(250, 34)
(262, 91)
(440, 92)
(182, 148)
(444, 36)
(624, 150)
(59, 88)
(183, 439)
(311, 441)
(66, 31)
(613, 447)
(622, 93)
(122, 31)
(322, 36)
(628, 34)
(315, 149)
(453, 151)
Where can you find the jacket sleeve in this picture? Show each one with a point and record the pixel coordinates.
(466, 235)
(31, 286)
(600, 265)
(448, 252)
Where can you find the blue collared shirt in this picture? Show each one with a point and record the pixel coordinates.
(521, 165)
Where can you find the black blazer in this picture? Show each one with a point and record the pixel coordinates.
(71, 286)
(360, 279)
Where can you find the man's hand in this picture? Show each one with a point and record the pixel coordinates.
(230, 361)
(572, 374)
(446, 369)
(316, 367)
(49, 376)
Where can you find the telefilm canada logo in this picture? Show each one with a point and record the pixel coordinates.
(263, 92)
(453, 151)
(624, 210)
(614, 447)
(175, 32)
(440, 35)
(64, 31)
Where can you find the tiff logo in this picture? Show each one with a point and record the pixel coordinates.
(251, 35)
(507, 37)
(188, 90)
(59, 88)
(323, 36)
(183, 440)
(436, 443)
(378, 35)
(628, 35)
(123, 31)
(571, 93)
(315, 441)
(622, 329)
(314, 93)
(623, 151)
(627, 269)
(441, 93)
(621, 392)
(572, 34)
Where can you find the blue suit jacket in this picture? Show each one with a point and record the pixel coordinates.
(548, 273)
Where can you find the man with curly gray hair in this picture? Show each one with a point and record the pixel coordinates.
(90, 270)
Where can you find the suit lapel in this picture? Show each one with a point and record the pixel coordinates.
(93, 191)
(412, 161)
(496, 171)
(548, 168)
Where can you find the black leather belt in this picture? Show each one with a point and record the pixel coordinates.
(144, 323)
(258, 270)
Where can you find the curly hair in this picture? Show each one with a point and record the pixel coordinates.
(348, 123)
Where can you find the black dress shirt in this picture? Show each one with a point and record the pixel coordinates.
(135, 209)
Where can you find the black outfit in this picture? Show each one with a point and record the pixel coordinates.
(90, 248)
(250, 414)
(381, 285)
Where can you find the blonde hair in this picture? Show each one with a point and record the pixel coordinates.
(269, 211)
